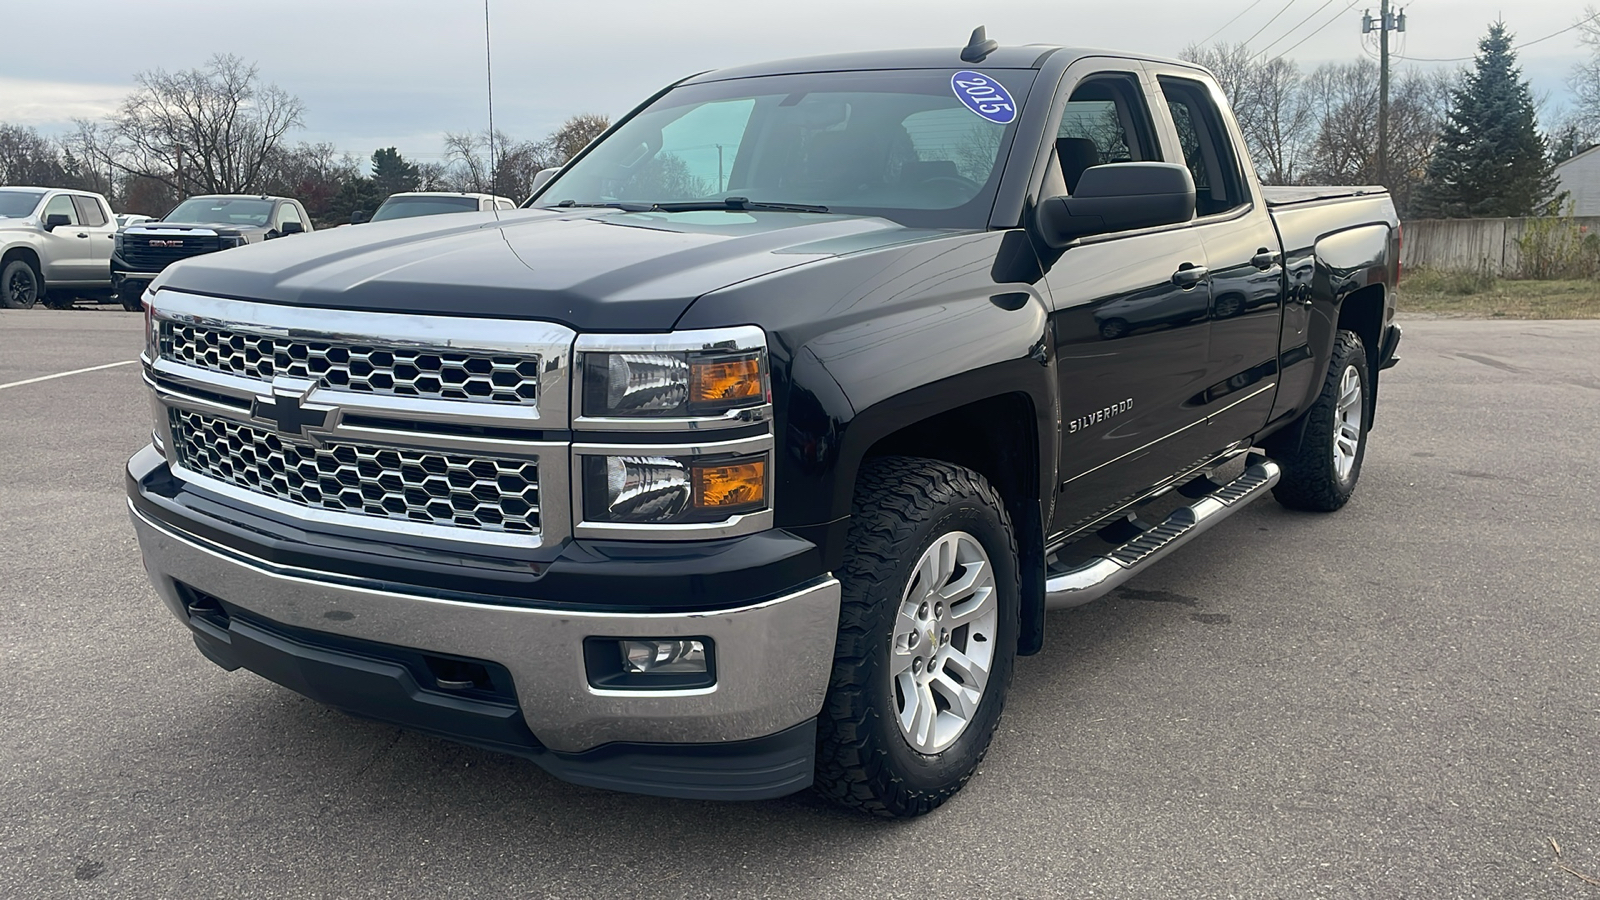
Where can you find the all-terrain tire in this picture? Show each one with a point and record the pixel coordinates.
(903, 505)
(1311, 478)
(20, 285)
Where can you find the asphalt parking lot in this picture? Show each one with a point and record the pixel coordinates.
(1398, 700)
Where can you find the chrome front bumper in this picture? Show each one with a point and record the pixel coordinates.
(773, 658)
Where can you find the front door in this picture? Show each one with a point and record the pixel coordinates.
(1129, 319)
(66, 247)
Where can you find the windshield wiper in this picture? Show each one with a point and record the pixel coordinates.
(615, 204)
(738, 203)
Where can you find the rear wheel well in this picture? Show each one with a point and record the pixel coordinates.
(997, 438)
(1362, 313)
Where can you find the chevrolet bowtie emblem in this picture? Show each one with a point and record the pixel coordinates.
(287, 410)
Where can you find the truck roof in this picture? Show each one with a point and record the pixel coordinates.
(1026, 56)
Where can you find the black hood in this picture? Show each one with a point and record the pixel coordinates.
(590, 269)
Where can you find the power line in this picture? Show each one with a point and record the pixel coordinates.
(1325, 4)
(1225, 25)
(1578, 24)
(1351, 5)
(1269, 22)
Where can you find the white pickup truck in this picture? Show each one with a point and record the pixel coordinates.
(55, 246)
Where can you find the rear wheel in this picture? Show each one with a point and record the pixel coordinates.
(20, 285)
(1322, 473)
(927, 638)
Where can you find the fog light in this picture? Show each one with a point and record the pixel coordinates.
(664, 657)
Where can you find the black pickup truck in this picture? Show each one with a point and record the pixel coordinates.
(203, 224)
(724, 475)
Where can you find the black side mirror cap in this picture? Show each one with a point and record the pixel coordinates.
(292, 228)
(56, 220)
(359, 216)
(1118, 197)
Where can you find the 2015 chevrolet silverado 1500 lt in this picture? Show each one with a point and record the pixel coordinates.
(750, 453)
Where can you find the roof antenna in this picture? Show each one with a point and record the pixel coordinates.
(978, 47)
(488, 72)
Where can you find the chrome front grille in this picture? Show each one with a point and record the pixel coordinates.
(434, 488)
(429, 373)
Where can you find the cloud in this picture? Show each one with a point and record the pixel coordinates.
(28, 101)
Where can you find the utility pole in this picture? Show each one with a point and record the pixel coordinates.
(1385, 23)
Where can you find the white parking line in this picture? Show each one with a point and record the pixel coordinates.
(126, 362)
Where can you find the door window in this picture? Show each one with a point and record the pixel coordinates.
(1206, 145)
(60, 205)
(287, 213)
(89, 211)
(1105, 121)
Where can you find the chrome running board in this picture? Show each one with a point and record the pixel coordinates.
(1093, 579)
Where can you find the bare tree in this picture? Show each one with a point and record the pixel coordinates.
(1584, 118)
(1269, 101)
(213, 129)
(29, 158)
(574, 134)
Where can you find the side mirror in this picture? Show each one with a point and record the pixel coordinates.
(1118, 197)
(292, 228)
(542, 177)
(358, 216)
(56, 220)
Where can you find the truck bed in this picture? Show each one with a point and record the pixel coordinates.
(1289, 195)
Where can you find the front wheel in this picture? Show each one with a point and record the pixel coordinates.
(19, 285)
(1321, 474)
(927, 638)
(129, 297)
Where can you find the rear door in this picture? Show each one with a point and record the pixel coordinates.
(97, 221)
(1242, 252)
(1129, 317)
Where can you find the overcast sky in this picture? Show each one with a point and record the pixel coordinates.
(402, 72)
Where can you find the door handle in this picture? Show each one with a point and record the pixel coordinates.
(1264, 259)
(1189, 275)
(82, 234)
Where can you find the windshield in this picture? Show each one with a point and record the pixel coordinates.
(406, 207)
(222, 211)
(898, 144)
(16, 204)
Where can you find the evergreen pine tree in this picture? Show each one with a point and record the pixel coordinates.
(1490, 160)
(391, 173)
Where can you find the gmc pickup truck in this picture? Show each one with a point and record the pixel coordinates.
(721, 476)
(203, 224)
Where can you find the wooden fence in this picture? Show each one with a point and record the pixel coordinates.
(1468, 245)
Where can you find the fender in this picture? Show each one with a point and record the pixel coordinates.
(868, 343)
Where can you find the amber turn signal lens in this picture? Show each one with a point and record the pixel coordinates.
(725, 381)
(739, 484)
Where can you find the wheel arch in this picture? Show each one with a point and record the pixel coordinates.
(997, 422)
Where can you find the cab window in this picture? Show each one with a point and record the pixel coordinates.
(89, 211)
(1206, 145)
(60, 205)
(1105, 121)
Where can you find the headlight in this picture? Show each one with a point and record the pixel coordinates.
(116, 242)
(687, 375)
(229, 241)
(664, 490)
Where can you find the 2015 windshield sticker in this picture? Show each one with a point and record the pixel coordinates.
(984, 96)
